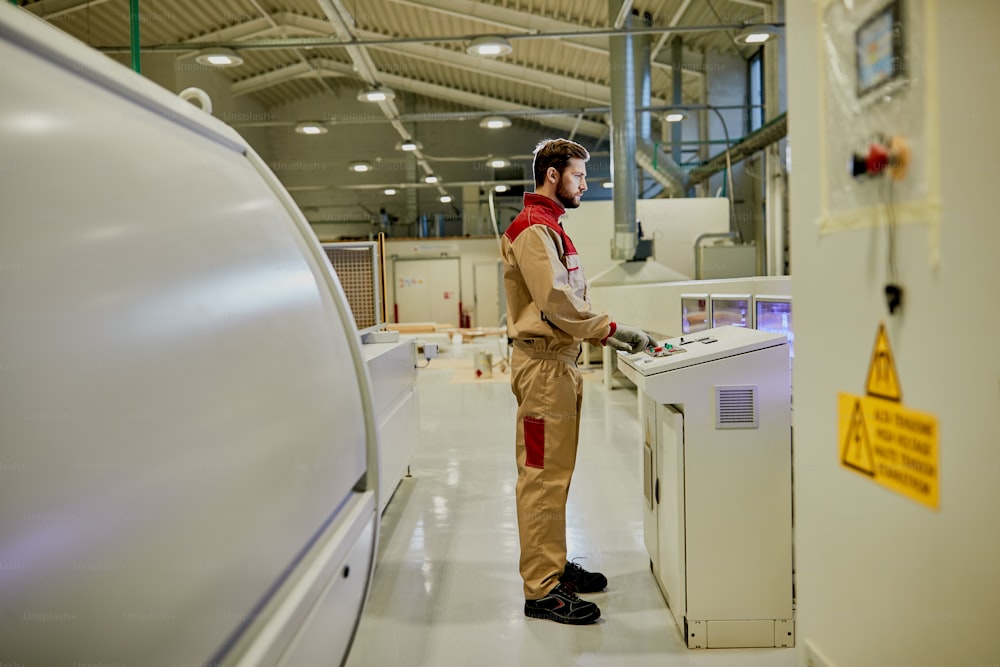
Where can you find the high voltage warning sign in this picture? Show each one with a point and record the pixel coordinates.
(882, 378)
(880, 438)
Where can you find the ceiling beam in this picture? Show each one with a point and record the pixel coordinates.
(50, 9)
(474, 100)
(526, 22)
(585, 91)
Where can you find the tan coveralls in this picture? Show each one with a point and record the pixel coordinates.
(548, 315)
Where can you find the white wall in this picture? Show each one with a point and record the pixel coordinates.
(673, 224)
(881, 579)
(657, 307)
(469, 251)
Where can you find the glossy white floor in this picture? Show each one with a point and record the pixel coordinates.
(446, 589)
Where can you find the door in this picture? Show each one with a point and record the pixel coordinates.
(670, 511)
(427, 290)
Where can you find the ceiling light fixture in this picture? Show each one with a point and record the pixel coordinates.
(445, 199)
(674, 116)
(310, 127)
(389, 191)
(498, 163)
(494, 122)
(430, 179)
(608, 185)
(218, 57)
(501, 188)
(489, 45)
(377, 94)
(360, 166)
(757, 34)
(408, 145)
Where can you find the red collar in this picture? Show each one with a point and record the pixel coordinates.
(532, 199)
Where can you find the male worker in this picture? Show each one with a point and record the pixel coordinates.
(548, 315)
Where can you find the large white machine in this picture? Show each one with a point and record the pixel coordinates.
(717, 483)
(187, 442)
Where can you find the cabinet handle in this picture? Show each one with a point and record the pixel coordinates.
(656, 490)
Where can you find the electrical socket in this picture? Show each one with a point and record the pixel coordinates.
(430, 351)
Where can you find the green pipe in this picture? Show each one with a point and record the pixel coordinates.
(13, 2)
(133, 15)
(693, 141)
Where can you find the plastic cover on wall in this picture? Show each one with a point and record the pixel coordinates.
(877, 80)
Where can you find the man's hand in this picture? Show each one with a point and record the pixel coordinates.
(629, 339)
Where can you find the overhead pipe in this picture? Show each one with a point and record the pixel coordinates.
(772, 132)
(664, 169)
(134, 47)
(623, 137)
(303, 42)
(677, 57)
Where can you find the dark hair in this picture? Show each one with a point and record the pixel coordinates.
(555, 153)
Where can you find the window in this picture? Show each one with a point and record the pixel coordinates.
(755, 88)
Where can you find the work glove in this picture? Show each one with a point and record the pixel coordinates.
(629, 339)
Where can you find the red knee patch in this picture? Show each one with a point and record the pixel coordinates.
(534, 442)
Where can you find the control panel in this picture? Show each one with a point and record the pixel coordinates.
(700, 347)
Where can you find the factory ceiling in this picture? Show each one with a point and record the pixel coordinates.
(557, 73)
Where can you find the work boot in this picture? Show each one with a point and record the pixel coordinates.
(562, 605)
(583, 581)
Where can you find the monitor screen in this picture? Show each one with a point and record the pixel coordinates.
(694, 313)
(774, 315)
(879, 45)
(731, 310)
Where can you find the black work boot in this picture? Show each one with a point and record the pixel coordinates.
(583, 581)
(562, 605)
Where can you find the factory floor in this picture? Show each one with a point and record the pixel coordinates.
(446, 590)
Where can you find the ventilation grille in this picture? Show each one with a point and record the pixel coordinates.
(357, 268)
(736, 406)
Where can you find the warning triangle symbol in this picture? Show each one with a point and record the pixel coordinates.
(857, 452)
(882, 378)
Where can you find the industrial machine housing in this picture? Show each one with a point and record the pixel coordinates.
(717, 483)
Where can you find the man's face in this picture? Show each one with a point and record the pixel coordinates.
(572, 184)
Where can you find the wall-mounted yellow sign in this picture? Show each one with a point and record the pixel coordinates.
(882, 439)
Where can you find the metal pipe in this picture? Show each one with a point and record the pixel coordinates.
(759, 140)
(677, 56)
(729, 179)
(302, 42)
(133, 21)
(450, 116)
(623, 137)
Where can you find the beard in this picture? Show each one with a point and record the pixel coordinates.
(567, 198)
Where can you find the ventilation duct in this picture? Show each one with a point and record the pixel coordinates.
(623, 136)
(631, 134)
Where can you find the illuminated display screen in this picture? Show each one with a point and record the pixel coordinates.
(694, 314)
(879, 44)
(776, 317)
(731, 312)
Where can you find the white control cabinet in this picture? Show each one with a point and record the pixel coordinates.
(393, 371)
(717, 483)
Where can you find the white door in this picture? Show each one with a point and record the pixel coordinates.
(427, 290)
(670, 520)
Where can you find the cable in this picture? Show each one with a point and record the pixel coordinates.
(893, 290)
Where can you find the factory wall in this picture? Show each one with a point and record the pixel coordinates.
(883, 577)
